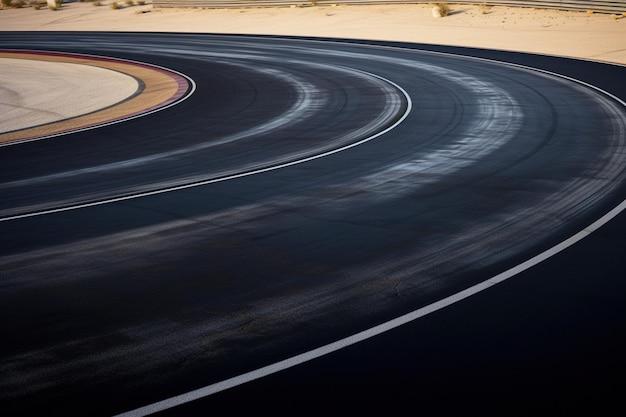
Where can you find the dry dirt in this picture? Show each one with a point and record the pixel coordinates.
(595, 36)
(34, 92)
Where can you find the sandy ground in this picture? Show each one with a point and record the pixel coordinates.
(595, 36)
(37, 92)
(159, 88)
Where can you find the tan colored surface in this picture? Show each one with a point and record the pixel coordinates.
(597, 36)
(158, 88)
(35, 92)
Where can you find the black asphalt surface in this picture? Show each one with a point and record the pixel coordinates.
(115, 306)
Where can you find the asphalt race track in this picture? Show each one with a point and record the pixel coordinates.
(305, 191)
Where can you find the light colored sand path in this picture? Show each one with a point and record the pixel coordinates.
(159, 87)
(576, 34)
(35, 92)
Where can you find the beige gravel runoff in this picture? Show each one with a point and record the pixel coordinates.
(38, 92)
(578, 34)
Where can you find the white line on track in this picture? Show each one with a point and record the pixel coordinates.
(399, 321)
(371, 332)
(229, 177)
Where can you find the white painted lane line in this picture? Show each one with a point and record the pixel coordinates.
(371, 332)
(230, 177)
(307, 101)
(399, 321)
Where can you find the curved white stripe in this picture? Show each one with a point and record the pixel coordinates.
(192, 83)
(399, 321)
(371, 332)
(230, 177)
(307, 99)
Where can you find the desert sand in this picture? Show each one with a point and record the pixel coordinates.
(578, 34)
(34, 92)
(52, 93)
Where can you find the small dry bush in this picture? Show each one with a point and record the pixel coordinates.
(140, 2)
(97, 3)
(129, 3)
(115, 6)
(18, 4)
(484, 8)
(56, 5)
(443, 9)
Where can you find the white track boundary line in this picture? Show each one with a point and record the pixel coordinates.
(399, 321)
(234, 176)
(188, 94)
(371, 332)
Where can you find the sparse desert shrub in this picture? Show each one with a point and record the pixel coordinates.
(115, 5)
(97, 3)
(56, 5)
(441, 9)
(484, 8)
(5, 3)
(129, 3)
(18, 4)
(140, 2)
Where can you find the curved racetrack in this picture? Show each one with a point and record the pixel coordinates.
(305, 191)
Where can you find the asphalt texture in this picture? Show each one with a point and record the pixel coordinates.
(276, 244)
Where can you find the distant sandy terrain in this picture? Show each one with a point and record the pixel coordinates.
(596, 36)
(34, 92)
